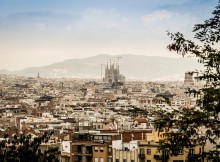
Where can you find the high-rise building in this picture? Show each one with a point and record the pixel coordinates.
(188, 78)
(38, 75)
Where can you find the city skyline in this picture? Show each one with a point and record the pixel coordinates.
(39, 33)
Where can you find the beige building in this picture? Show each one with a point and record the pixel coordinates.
(148, 151)
(125, 155)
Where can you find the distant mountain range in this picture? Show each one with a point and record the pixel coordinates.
(131, 66)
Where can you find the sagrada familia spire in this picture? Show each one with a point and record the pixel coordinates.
(112, 73)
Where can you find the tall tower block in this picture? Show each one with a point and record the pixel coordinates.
(188, 78)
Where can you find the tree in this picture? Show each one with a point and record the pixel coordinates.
(24, 148)
(196, 127)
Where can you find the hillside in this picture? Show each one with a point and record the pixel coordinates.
(132, 66)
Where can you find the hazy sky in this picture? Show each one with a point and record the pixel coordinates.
(41, 32)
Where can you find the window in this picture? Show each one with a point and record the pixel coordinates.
(109, 159)
(109, 150)
(105, 138)
(117, 160)
(96, 149)
(141, 150)
(101, 149)
(148, 160)
(96, 137)
(148, 151)
(201, 149)
(109, 138)
(191, 151)
(180, 152)
(124, 160)
(96, 159)
(118, 137)
(101, 159)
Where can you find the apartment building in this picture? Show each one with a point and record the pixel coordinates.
(92, 147)
(148, 151)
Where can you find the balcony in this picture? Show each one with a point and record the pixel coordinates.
(88, 153)
(193, 157)
(78, 153)
(141, 156)
(77, 159)
(161, 157)
(89, 159)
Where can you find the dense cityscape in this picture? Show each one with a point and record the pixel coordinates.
(60, 103)
(108, 120)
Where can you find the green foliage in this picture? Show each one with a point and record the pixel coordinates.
(26, 149)
(196, 127)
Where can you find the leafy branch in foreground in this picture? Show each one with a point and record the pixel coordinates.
(190, 128)
(26, 148)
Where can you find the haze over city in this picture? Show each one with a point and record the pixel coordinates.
(96, 81)
(42, 32)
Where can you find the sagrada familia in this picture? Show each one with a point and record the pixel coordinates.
(112, 74)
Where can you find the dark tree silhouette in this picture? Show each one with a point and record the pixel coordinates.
(197, 127)
(25, 149)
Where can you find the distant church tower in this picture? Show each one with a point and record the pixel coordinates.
(112, 74)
